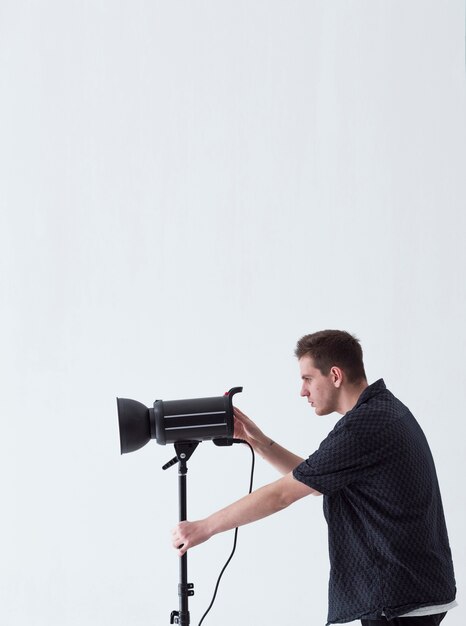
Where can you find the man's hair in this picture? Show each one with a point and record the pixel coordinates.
(330, 348)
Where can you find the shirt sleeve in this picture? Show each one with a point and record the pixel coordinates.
(343, 458)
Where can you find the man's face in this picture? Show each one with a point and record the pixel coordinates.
(320, 390)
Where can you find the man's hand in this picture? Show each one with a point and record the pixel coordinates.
(282, 459)
(246, 429)
(189, 534)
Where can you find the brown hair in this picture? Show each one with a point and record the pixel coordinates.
(330, 348)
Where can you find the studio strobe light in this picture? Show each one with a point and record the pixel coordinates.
(185, 423)
(198, 419)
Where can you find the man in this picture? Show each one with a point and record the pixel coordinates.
(389, 552)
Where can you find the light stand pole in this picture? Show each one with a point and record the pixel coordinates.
(184, 450)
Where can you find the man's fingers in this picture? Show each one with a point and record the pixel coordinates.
(180, 545)
(242, 417)
(179, 541)
(186, 535)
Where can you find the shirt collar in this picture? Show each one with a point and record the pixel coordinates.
(371, 391)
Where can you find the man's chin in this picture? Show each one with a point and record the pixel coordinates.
(322, 412)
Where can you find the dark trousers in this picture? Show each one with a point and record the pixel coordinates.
(426, 620)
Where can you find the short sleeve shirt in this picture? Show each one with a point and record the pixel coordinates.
(388, 544)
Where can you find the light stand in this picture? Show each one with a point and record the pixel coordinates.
(185, 423)
(184, 450)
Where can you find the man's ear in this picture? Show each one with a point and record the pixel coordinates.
(336, 374)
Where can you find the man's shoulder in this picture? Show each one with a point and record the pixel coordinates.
(377, 411)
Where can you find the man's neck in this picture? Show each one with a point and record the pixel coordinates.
(350, 395)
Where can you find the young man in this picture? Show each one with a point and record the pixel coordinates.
(389, 552)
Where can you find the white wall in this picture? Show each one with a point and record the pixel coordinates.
(186, 189)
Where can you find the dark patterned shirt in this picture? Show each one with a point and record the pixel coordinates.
(388, 543)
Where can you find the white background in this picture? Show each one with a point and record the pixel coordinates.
(186, 189)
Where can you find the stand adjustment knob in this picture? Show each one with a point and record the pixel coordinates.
(186, 590)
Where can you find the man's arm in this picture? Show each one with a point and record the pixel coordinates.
(257, 505)
(279, 457)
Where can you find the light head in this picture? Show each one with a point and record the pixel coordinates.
(171, 421)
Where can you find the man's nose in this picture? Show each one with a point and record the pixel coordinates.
(304, 392)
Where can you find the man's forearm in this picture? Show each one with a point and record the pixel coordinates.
(261, 503)
(282, 459)
(257, 505)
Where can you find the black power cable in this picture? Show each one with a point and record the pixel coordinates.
(229, 442)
